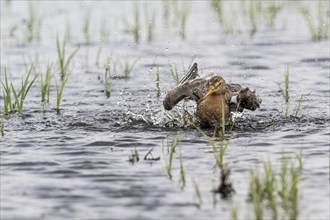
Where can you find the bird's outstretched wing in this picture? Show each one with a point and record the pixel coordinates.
(191, 74)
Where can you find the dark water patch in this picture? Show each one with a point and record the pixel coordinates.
(29, 164)
(261, 144)
(315, 60)
(255, 67)
(62, 172)
(79, 153)
(294, 136)
(101, 143)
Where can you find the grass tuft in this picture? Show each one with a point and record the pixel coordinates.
(24, 90)
(45, 84)
(198, 193)
(63, 61)
(158, 82)
(171, 152)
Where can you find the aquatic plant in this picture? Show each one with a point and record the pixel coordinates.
(63, 61)
(33, 23)
(107, 84)
(11, 107)
(158, 82)
(252, 18)
(59, 90)
(271, 11)
(218, 152)
(234, 213)
(225, 24)
(134, 157)
(97, 60)
(267, 193)
(183, 16)
(170, 158)
(86, 26)
(150, 24)
(318, 31)
(45, 84)
(197, 193)
(104, 31)
(128, 67)
(182, 180)
(175, 73)
(2, 127)
(67, 35)
(302, 98)
(134, 29)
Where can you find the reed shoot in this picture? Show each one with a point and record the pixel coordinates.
(59, 91)
(24, 90)
(86, 27)
(264, 190)
(45, 84)
(302, 98)
(134, 29)
(33, 24)
(63, 61)
(198, 193)
(158, 82)
(172, 151)
(318, 31)
(128, 67)
(107, 84)
(252, 17)
(150, 24)
(182, 180)
(175, 73)
(2, 127)
(9, 106)
(218, 152)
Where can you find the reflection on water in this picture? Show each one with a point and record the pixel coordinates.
(75, 164)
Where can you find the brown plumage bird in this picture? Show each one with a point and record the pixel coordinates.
(213, 109)
(213, 96)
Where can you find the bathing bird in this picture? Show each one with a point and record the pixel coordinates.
(215, 98)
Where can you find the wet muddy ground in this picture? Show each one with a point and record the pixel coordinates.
(74, 163)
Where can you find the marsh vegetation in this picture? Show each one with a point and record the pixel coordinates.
(81, 112)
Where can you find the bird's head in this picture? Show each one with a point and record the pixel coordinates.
(217, 86)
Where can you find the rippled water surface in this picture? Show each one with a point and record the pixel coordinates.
(75, 164)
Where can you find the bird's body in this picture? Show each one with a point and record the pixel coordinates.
(213, 109)
(215, 99)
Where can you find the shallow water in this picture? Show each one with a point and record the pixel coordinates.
(75, 164)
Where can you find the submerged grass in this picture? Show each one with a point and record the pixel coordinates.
(135, 28)
(63, 61)
(107, 84)
(45, 84)
(175, 73)
(170, 158)
(158, 82)
(11, 106)
(302, 98)
(318, 31)
(218, 152)
(182, 180)
(8, 105)
(286, 95)
(33, 23)
(59, 91)
(128, 67)
(150, 24)
(2, 127)
(197, 193)
(279, 196)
